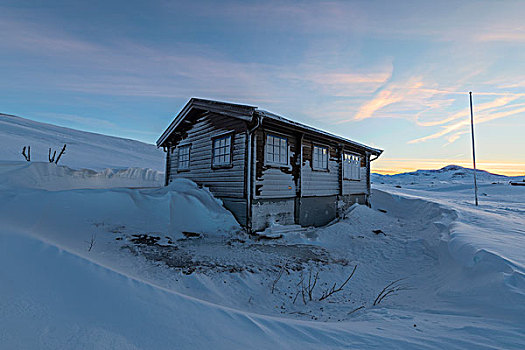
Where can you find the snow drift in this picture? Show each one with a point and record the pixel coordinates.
(52, 177)
(81, 198)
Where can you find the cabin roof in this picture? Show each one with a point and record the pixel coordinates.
(248, 113)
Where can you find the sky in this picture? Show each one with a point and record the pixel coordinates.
(390, 74)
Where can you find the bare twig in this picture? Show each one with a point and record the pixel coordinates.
(327, 293)
(311, 286)
(300, 289)
(306, 290)
(28, 155)
(278, 277)
(60, 154)
(356, 309)
(390, 289)
(92, 241)
(51, 159)
(296, 295)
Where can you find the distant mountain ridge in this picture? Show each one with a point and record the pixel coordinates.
(84, 149)
(449, 173)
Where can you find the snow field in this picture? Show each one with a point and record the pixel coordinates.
(216, 290)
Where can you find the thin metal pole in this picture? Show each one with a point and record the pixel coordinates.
(473, 149)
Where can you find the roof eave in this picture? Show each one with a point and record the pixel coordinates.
(208, 105)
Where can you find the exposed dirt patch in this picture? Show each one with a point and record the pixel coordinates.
(234, 255)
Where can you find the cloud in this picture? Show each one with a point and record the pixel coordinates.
(482, 118)
(404, 99)
(499, 102)
(333, 79)
(382, 99)
(513, 35)
(129, 69)
(443, 21)
(348, 84)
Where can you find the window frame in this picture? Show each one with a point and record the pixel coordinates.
(179, 147)
(351, 165)
(271, 162)
(230, 135)
(314, 167)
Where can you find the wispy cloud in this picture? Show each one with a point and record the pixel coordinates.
(515, 35)
(347, 83)
(482, 118)
(479, 21)
(499, 102)
(347, 69)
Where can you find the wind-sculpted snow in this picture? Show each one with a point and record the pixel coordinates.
(52, 177)
(55, 300)
(47, 200)
(485, 243)
(88, 260)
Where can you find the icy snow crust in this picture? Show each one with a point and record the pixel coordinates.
(170, 268)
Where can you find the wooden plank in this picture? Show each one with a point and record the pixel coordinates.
(227, 182)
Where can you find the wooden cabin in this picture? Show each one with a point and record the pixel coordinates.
(266, 169)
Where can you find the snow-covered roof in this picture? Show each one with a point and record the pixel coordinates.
(247, 113)
(313, 130)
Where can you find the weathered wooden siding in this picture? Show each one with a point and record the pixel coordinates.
(319, 182)
(222, 182)
(354, 186)
(273, 181)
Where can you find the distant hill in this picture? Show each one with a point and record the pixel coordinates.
(450, 173)
(84, 149)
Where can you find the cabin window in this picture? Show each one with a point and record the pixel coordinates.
(320, 158)
(222, 151)
(351, 166)
(184, 157)
(276, 150)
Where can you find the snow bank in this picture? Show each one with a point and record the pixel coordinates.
(492, 274)
(482, 248)
(52, 177)
(80, 201)
(193, 209)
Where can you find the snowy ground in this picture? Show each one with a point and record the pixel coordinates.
(118, 267)
(83, 150)
(105, 259)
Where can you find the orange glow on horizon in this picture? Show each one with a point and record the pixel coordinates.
(397, 166)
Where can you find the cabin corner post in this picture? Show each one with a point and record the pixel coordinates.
(249, 179)
(341, 169)
(368, 182)
(167, 149)
(299, 177)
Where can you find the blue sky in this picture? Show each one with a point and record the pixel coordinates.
(390, 74)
